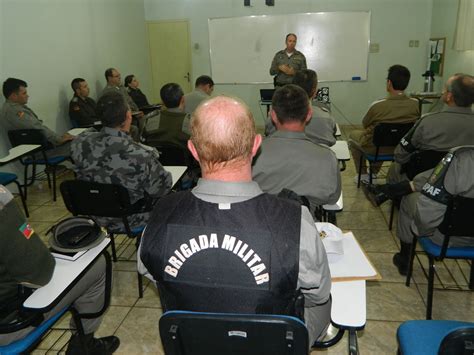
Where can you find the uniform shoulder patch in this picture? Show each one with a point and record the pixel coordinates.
(76, 108)
(75, 99)
(434, 187)
(20, 114)
(26, 230)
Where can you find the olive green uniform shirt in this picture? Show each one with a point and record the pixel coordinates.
(297, 61)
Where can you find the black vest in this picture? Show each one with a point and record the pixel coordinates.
(239, 260)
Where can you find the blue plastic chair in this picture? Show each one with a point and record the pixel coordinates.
(424, 337)
(26, 343)
(196, 333)
(385, 135)
(457, 222)
(8, 178)
(35, 136)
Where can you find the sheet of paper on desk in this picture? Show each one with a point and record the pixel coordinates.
(354, 264)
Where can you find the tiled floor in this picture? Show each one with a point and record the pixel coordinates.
(389, 302)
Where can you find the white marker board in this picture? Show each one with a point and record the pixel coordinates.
(336, 45)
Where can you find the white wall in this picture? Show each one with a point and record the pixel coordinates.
(49, 42)
(393, 24)
(444, 25)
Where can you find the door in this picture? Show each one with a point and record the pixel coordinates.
(170, 55)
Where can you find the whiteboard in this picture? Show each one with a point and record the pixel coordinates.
(335, 44)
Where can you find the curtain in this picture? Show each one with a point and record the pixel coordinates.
(464, 39)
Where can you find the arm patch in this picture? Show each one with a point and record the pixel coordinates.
(434, 187)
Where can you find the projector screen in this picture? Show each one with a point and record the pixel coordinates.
(335, 44)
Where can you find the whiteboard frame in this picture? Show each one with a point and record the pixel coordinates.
(296, 13)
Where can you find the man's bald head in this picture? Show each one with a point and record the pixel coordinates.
(462, 88)
(222, 132)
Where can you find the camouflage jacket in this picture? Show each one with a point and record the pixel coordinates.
(112, 157)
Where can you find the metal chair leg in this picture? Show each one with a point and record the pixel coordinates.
(392, 213)
(23, 198)
(112, 245)
(360, 171)
(410, 263)
(429, 301)
(140, 285)
(54, 183)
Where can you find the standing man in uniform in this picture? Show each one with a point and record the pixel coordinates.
(289, 160)
(16, 115)
(82, 107)
(202, 90)
(395, 108)
(251, 252)
(287, 62)
(112, 157)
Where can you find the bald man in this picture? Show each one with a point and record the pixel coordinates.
(251, 252)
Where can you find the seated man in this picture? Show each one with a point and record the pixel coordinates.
(251, 252)
(439, 131)
(288, 159)
(424, 211)
(202, 91)
(16, 115)
(112, 157)
(26, 261)
(396, 108)
(82, 107)
(131, 84)
(114, 84)
(172, 125)
(321, 129)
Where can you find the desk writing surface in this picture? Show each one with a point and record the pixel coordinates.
(341, 149)
(354, 264)
(338, 206)
(176, 171)
(76, 131)
(18, 152)
(348, 308)
(65, 272)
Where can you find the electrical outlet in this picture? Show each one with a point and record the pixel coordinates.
(374, 48)
(411, 43)
(417, 43)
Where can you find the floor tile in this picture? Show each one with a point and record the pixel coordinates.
(139, 332)
(376, 240)
(361, 220)
(393, 302)
(125, 288)
(151, 298)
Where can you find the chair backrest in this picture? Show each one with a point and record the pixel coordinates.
(266, 94)
(27, 136)
(459, 341)
(95, 199)
(457, 220)
(173, 154)
(421, 161)
(390, 134)
(195, 333)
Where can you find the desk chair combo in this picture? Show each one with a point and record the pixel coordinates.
(386, 135)
(35, 136)
(457, 222)
(35, 317)
(104, 200)
(442, 337)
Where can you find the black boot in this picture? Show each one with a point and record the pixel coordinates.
(402, 259)
(95, 346)
(378, 194)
